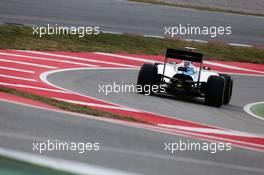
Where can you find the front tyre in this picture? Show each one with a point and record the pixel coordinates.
(214, 95)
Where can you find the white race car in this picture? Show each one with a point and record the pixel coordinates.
(186, 79)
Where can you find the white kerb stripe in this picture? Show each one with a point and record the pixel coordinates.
(47, 59)
(18, 78)
(213, 131)
(79, 58)
(33, 87)
(27, 63)
(18, 70)
(98, 105)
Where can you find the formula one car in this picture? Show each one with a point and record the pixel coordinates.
(186, 79)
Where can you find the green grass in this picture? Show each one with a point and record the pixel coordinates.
(13, 167)
(258, 109)
(68, 106)
(198, 7)
(20, 37)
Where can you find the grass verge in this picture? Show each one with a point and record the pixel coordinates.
(21, 37)
(69, 106)
(13, 167)
(198, 7)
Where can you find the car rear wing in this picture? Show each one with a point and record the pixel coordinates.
(184, 55)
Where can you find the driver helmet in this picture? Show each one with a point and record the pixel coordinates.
(187, 63)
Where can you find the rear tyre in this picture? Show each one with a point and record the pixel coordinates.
(147, 77)
(228, 88)
(214, 95)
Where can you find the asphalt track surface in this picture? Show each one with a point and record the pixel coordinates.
(124, 148)
(246, 90)
(123, 16)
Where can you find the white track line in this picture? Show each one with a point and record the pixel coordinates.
(254, 75)
(60, 164)
(110, 32)
(44, 79)
(232, 67)
(79, 58)
(33, 87)
(206, 62)
(27, 63)
(18, 78)
(247, 110)
(240, 45)
(154, 36)
(47, 59)
(126, 57)
(98, 105)
(213, 131)
(196, 40)
(18, 70)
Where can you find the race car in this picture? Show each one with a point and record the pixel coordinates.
(185, 79)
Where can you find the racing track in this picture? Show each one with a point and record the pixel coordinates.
(134, 149)
(124, 148)
(131, 149)
(123, 16)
